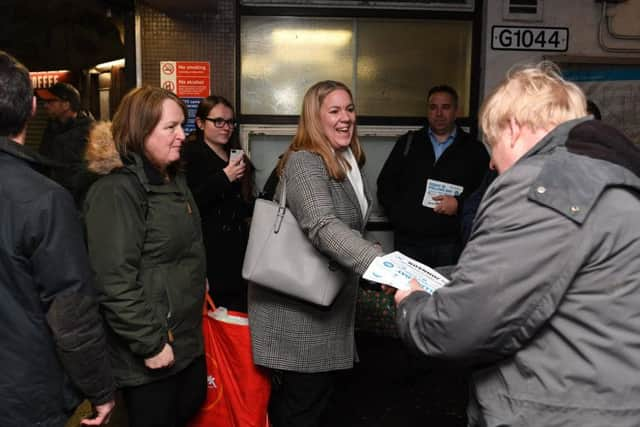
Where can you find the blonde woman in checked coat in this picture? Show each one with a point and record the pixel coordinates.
(303, 344)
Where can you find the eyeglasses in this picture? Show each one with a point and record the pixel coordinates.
(220, 122)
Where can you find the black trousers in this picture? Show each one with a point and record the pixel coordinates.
(169, 402)
(300, 399)
(433, 252)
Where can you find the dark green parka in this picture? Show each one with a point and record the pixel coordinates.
(145, 245)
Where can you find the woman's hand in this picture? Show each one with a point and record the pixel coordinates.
(235, 169)
(403, 293)
(164, 359)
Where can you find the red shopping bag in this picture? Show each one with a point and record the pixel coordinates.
(237, 390)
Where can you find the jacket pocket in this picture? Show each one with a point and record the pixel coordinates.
(153, 282)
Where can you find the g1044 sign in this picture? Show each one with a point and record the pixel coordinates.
(529, 38)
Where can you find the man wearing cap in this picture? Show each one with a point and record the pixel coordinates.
(66, 134)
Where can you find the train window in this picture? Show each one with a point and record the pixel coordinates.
(397, 63)
(282, 57)
(389, 64)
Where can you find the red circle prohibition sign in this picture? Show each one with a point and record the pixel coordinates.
(168, 68)
(169, 85)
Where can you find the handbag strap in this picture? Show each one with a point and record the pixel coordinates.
(282, 205)
(208, 304)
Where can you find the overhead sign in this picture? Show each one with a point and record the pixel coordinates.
(529, 38)
(189, 79)
(45, 79)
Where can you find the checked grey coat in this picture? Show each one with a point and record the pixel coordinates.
(293, 335)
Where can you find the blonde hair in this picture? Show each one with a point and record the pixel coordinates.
(310, 136)
(535, 96)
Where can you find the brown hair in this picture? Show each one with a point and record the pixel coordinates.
(137, 115)
(247, 185)
(310, 136)
(205, 107)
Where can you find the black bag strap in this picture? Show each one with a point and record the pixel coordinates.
(407, 146)
(269, 189)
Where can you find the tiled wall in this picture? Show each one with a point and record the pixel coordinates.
(208, 36)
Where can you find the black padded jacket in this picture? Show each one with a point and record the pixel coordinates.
(402, 182)
(53, 350)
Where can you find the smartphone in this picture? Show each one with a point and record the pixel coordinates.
(235, 153)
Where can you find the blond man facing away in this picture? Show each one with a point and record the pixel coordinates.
(544, 300)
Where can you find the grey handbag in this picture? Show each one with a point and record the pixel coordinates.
(280, 256)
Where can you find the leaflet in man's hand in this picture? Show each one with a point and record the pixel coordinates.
(439, 188)
(396, 269)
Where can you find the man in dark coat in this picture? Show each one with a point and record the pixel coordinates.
(53, 350)
(430, 231)
(65, 137)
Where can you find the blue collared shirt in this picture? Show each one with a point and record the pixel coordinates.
(439, 147)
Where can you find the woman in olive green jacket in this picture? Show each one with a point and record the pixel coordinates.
(145, 245)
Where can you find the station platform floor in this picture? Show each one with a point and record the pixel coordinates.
(388, 388)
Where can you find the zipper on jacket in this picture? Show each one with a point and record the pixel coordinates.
(170, 336)
(169, 331)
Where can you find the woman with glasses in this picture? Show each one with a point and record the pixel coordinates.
(223, 190)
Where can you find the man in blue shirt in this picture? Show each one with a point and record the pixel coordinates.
(424, 229)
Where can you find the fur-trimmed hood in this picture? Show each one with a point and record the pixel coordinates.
(101, 154)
